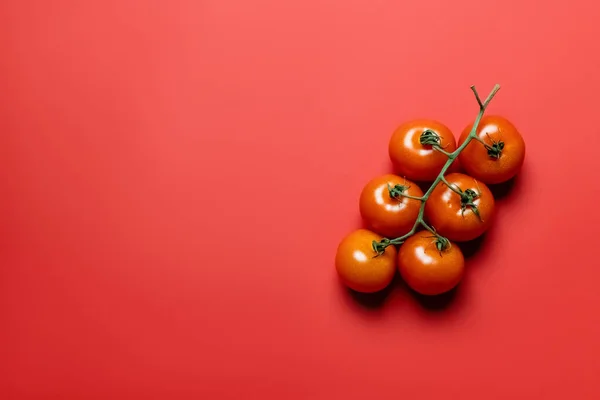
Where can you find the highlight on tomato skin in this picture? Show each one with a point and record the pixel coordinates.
(427, 269)
(388, 206)
(462, 211)
(497, 154)
(359, 267)
(413, 160)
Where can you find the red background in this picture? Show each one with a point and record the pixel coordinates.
(176, 176)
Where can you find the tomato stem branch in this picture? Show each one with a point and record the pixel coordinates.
(481, 105)
(379, 247)
(438, 148)
(480, 140)
(408, 196)
(429, 228)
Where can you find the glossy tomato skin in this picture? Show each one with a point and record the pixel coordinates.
(444, 209)
(388, 216)
(477, 161)
(428, 270)
(357, 266)
(413, 160)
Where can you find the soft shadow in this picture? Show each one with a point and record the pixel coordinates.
(472, 247)
(436, 303)
(502, 190)
(455, 167)
(372, 301)
(424, 186)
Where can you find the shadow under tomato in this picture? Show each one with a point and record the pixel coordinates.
(436, 303)
(503, 190)
(471, 248)
(372, 301)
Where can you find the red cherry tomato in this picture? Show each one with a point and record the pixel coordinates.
(417, 161)
(385, 208)
(428, 266)
(460, 217)
(502, 155)
(360, 267)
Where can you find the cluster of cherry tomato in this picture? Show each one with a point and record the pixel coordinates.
(417, 232)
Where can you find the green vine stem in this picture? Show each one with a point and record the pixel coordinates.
(467, 197)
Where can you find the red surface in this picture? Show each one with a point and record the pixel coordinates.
(175, 178)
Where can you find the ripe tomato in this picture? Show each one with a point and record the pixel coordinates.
(384, 207)
(358, 265)
(502, 156)
(460, 217)
(427, 268)
(416, 161)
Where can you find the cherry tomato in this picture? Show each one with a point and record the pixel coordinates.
(385, 208)
(460, 217)
(428, 266)
(416, 161)
(502, 155)
(358, 265)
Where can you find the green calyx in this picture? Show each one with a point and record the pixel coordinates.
(429, 137)
(441, 243)
(467, 199)
(495, 150)
(379, 247)
(397, 191)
